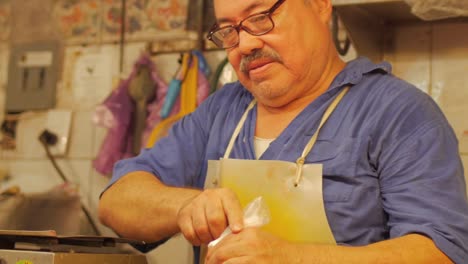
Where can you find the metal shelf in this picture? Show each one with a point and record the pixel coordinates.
(394, 11)
(366, 22)
(370, 24)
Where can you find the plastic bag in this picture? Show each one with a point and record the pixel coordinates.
(256, 214)
(438, 9)
(115, 113)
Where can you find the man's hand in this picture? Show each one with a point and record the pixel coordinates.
(205, 217)
(251, 245)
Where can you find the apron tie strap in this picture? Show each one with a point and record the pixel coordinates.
(301, 160)
(238, 129)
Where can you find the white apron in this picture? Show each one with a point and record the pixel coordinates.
(292, 191)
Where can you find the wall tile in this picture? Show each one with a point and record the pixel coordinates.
(29, 128)
(77, 171)
(39, 175)
(88, 76)
(99, 135)
(132, 53)
(214, 58)
(450, 78)
(410, 55)
(465, 166)
(71, 92)
(81, 135)
(167, 65)
(33, 175)
(4, 173)
(4, 56)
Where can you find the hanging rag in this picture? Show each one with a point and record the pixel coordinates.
(116, 112)
(194, 90)
(174, 87)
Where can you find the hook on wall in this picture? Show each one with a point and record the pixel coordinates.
(341, 47)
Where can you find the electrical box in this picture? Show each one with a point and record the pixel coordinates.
(32, 77)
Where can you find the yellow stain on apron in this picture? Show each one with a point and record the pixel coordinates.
(292, 191)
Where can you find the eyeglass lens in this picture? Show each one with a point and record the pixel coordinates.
(228, 36)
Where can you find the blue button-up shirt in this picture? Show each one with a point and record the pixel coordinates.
(390, 159)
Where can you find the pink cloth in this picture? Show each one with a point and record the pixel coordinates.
(116, 112)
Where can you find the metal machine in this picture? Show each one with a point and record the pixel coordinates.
(44, 247)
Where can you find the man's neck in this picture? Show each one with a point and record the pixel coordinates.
(271, 121)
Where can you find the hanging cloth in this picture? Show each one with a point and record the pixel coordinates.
(115, 113)
(188, 98)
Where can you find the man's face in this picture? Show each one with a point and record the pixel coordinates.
(285, 63)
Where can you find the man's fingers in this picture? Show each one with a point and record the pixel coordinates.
(186, 228)
(204, 219)
(216, 218)
(200, 225)
(230, 250)
(233, 211)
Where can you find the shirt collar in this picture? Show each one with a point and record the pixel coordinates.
(356, 69)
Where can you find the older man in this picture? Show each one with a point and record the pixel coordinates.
(393, 185)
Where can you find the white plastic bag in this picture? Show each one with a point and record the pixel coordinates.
(256, 214)
(438, 9)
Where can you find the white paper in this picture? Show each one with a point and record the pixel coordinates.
(93, 74)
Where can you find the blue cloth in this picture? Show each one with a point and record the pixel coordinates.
(390, 158)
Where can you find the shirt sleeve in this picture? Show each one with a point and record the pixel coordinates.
(421, 177)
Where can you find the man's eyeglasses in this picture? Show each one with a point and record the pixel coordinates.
(256, 24)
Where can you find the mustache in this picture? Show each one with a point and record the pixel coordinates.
(258, 54)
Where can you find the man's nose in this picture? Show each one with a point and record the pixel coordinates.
(249, 43)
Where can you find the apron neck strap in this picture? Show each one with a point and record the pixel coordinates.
(301, 160)
(238, 129)
(309, 145)
(325, 117)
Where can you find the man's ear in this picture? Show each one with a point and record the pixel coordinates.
(324, 8)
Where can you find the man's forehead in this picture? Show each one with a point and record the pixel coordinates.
(228, 9)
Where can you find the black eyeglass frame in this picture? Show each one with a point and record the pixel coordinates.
(215, 28)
